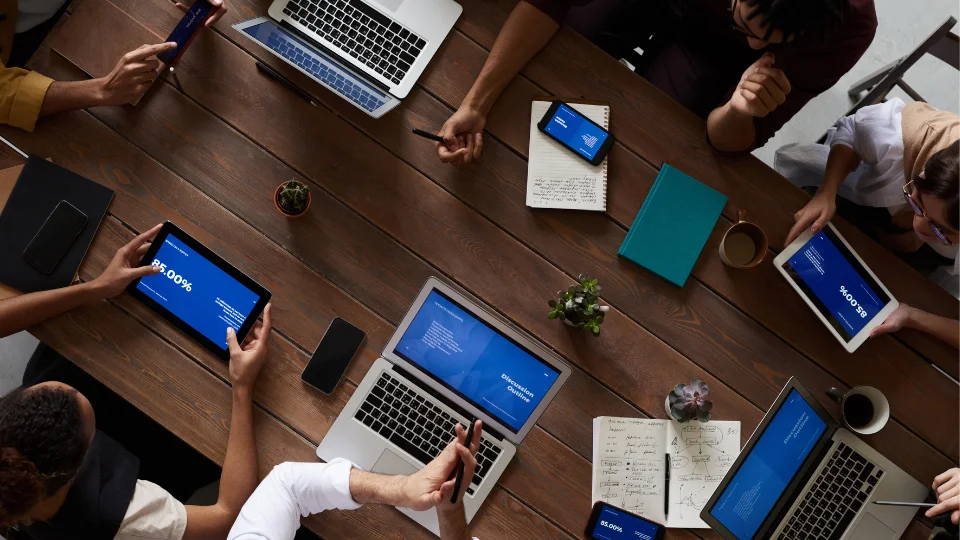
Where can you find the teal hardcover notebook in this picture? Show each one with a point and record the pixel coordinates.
(673, 225)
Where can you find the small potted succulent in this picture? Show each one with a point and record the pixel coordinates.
(579, 306)
(688, 402)
(292, 198)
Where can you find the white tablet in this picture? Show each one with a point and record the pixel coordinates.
(834, 281)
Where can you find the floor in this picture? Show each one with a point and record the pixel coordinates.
(902, 27)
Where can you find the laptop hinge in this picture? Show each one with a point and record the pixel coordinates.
(442, 399)
(334, 57)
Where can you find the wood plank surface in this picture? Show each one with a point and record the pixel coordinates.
(386, 215)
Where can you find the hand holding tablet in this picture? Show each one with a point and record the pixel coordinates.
(197, 291)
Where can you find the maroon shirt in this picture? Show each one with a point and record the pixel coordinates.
(701, 59)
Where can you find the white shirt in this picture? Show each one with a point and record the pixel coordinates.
(153, 514)
(32, 13)
(875, 133)
(290, 491)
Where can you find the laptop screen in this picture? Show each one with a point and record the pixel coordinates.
(770, 466)
(476, 361)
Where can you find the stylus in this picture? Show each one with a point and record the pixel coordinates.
(427, 135)
(912, 504)
(460, 466)
(270, 72)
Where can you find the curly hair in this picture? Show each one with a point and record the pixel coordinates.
(816, 18)
(42, 446)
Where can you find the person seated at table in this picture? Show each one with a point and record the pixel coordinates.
(292, 490)
(946, 514)
(60, 477)
(747, 66)
(893, 170)
(27, 95)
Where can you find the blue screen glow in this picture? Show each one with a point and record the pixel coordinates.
(772, 463)
(197, 291)
(475, 360)
(845, 294)
(578, 133)
(615, 524)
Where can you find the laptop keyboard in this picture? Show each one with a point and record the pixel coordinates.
(291, 50)
(361, 31)
(839, 492)
(408, 419)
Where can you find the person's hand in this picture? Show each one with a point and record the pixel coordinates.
(132, 75)
(219, 8)
(247, 359)
(462, 136)
(814, 215)
(947, 486)
(895, 321)
(433, 485)
(125, 266)
(762, 88)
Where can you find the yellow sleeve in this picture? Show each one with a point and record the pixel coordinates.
(21, 96)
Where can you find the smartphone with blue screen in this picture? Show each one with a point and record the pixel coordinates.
(576, 132)
(607, 522)
(187, 29)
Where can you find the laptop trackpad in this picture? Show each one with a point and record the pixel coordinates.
(392, 5)
(390, 463)
(870, 528)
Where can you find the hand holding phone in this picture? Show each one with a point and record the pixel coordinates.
(340, 342)
(607, 522)
(193, 21)
(576, 132)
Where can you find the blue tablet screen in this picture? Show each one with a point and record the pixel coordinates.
(615, 524)
(198, 292)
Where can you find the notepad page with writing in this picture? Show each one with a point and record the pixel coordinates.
(556, 178)
(701, 453)
(629, 464)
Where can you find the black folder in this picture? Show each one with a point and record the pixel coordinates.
(40, 187)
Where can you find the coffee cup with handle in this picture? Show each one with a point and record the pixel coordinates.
(744, 244)
(865, 409)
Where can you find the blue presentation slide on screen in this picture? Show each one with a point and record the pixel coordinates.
(842, 295)
(198, 292)
(576, 132)
(475, 360)
(771, 465)
(613, 524)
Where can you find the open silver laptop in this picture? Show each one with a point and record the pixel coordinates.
(450, 360)
(370, 52)
(801, 476)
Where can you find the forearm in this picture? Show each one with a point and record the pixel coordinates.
(840, 163)
(730, 130)
(942, 328)
(525, 33)
(453, 523)
(239, 476)
(21, 312)
(65, 96)
(372, 488)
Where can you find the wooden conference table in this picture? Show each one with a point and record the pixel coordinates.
(387, 214)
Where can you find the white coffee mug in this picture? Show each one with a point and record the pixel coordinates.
(865, 409)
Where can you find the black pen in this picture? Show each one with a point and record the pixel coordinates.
(460, 465)
(911, 504)
(666, 496)
(427, 135)
(270, 72)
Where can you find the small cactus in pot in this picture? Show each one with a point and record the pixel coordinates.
(292, 198)
(579, 306)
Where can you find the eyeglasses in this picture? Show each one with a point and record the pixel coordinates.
(915, 205)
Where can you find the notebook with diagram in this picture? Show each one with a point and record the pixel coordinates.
(633, 456)
(556, 178)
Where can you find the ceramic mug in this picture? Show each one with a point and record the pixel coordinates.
(744, 244)
(865, 409)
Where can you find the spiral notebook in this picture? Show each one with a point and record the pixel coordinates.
(556, 178)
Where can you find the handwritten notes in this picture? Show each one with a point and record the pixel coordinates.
(558, 179)
(630, 458)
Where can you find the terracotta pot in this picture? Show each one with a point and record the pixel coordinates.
(276, 202)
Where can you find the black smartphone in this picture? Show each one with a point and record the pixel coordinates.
(579, 134)
(340, 342)
(186, 30)
(55, 237)
(607, 522)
